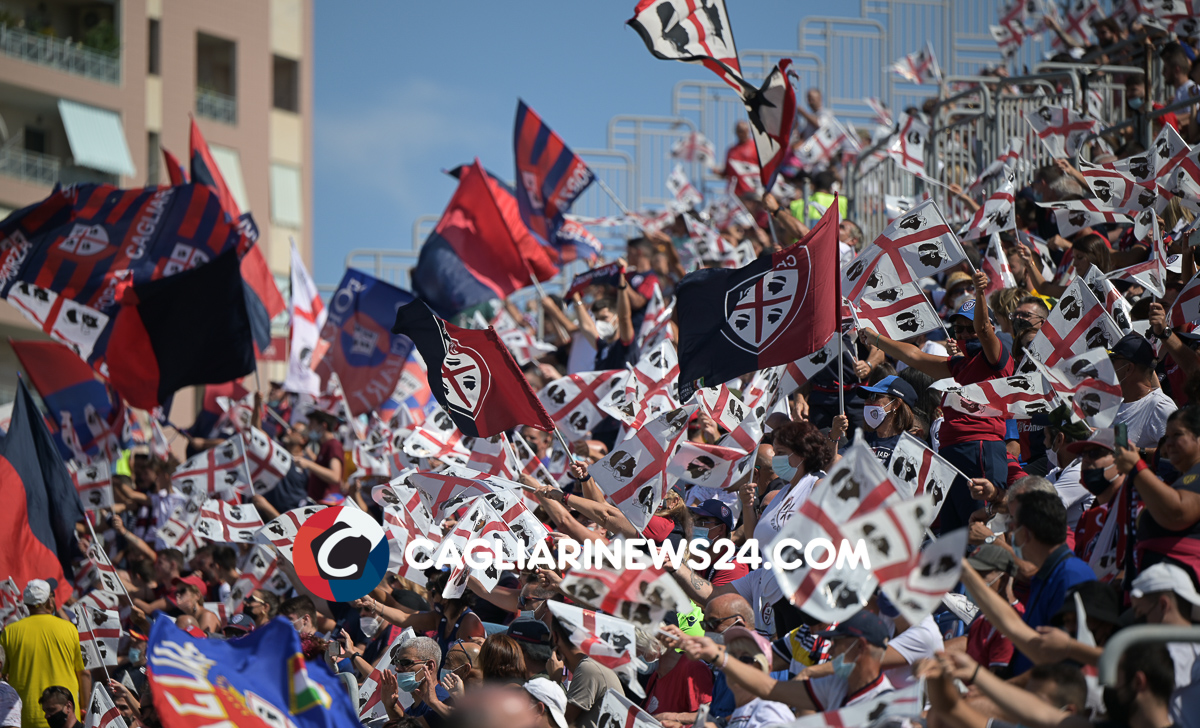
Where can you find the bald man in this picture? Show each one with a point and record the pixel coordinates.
(494, 707)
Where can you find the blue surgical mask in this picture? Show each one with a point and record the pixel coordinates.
(135, 654)
(1136, 102)
(443, 673)
(783, 468)
(701, 534)
(1037, 196)
(841, 668)
(406, 682)
(1017, 549)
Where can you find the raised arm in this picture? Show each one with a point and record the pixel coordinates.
(992, 348)
(1024, 706)
(1174, 510)
(937, 367)
(1188, 360)
(749, 677)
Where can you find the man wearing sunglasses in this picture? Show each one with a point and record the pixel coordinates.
(261, 606)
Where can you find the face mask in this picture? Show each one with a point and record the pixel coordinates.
(1118, 710)
(58, 720)
(969, 347)
(443, 673)
(700, 534)
(314, 436)
(1052, 458)
(783, 468)
(1095, 480)
(1037, 196)
(841, 668)
(605, 329)
(874, 415)
(407, 682)
(1017, 550)
(369, 626)
(135, 655)
(1136, 102)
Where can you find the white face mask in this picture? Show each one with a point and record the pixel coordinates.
(369, 626)
(605, 329)
(874, 415)
(1052, 458)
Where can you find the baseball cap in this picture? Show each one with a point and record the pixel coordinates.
(893, 386)
(716, 509)
(967, 310)
(551, 695)
(990, 557)
(863, 624)
(241, 623)
(733, 633)
(1101, 601)
(1167, 577)
(191, 580)
(1134, 347)
(38, 591)
(531, 630)
(1104, 437)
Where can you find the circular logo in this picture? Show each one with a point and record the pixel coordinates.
(340, 554)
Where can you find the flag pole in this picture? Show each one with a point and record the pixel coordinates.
(620, 205)
(563, 441)
(96, 542)
(90, 628)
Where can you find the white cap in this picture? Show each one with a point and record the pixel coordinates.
(551, 695)
(37, 592)
(1167, 577)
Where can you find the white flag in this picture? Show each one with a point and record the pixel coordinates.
(308, 316)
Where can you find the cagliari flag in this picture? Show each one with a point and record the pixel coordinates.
(471, 374)
(549, 175)
(152, 355)
(262, 675)
(774, 311)
(363, 352)
(41, 507)
(684, 30)
(103, 712)
(176, 172)
(308, 317)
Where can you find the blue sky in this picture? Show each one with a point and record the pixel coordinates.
(405, 89)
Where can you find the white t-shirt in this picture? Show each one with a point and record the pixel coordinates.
(1186, 91)
(759, 712)
(1147, 418)
(1067, 481)
(829, 692)
(761, 590)
(929, 347)
(783, 507)
(10, 706)
(1184, 655)
(583, 355)
(920, 641)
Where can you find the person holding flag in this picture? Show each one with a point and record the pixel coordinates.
(974, 445)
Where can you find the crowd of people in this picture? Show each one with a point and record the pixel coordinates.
(1064, 520)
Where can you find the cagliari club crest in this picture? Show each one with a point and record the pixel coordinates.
(85, 240)
(760, 308)
(465, 375)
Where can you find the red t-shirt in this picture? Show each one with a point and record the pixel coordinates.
(658, 529)
(718, 577)
(986, 645)
(330, 450)
(961, 427)
(682, 690)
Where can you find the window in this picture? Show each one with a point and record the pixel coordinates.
(153, 159)
(287, 84)
(154, 49)
(35, 140)
(286, 196)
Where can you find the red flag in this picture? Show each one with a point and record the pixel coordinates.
(176, 172)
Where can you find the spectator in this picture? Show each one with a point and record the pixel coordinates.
(983, 642)
(589, 680)
(10, 701)
(42, 652)
(533, 636)
(752, 649)
(415, 663)
(1065, 473)
(549, 701)
(888, 413)
(325, 471)
(501, 660)
(58, 707)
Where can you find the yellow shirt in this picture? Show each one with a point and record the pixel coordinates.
(819, 203)
(43, 650)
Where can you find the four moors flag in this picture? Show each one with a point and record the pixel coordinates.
(308, 317)
(772, 111)
(472, 374)
(685, 30)
(774, 311)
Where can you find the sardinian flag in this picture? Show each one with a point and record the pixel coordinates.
(99, 633)
(445, 492)
(238, 413)
(695, 147)
(405, 517)
(908, 151)
(259, 569)
(107, 578)
(1112, 300)
(652, 383)
(935, 573)
(306, 348)
(1170, 150)
(725, 210)
(918, 245)
(641, 596)
(920, 67)
(1184, 180)
(221, 469)
(1071, 216)
(480, 522)
(437, 439)
(771, 312)
(723, 406)
(900, 313)
(1009, 157)
(684, 194)
(1078, 323)
(772, 111)
(492, 456)
(1186, 309)
(915, 469)
(1089, 384)
(160, 446)
(267, 459)
(618, 710)
(179, 531)
(531, 464)
(524, 347)
(1150, 274)
(74, 324)
(573, 401)
(995, 216)
(103, 712)
(281, 532)
(709, 245)
(222, 522)
(708, 466)
(901, 705)
(1018, 397)
(633, 476)
(93, 482)
(656, 325)
(764, 390)
(370, 693)
(797, 373)
(1075, 25)
(745, 177)
(823, 147)
(682, 30)
(1040, 250)
(525, 527)
(608, 640)
(995, 264)
(1116, 191)
(896, 205)
(471, 374)
(856, 501)
(11, 606)
(1008, 35)
(1061, 129)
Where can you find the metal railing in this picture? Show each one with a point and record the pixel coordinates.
(1123, 639)
(392, 266)
(41, 169)
(216, 106)
(59, 54)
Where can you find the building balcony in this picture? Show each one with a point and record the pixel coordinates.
(61, 55)
(216, 106)
(27, 166)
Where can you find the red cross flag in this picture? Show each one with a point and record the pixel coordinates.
(445, 492)
(1075, 215)
(690, 32)
(936, 572)
(723, 406)
(281, 532)
(632, 475)
(103, 712)
(1170, 150)
(653, 383)
(268, 461)
(695, 147)
(1061, 129)
(1112, 300)
(107, 578)
(524, 347)
(618, 711)
(917, 245)
(1078, 323)
(179, 532)
(93, 483)
(1076, 26)
(573, 401)
(221, 469)
(1017, 397)
(1089, 384)
(823, 147)
(1150, 274)
(11, 606)
(493, 456)
(370, 693)
(438, 438)
(1186, 309)
(920, 67)
(908, 151)
(656, 326)
(708, 466)
(259, 569)
(641, 596)
(222, 522)
(1008, 35)
(1116, 191)
(915, 469)
(524, 526)
(1010, 156)
(995, 264)
(608, 640)
(684, 195)
(405, 517)
(899, 704)
(899, 313)
(995, 216)
(99, 633)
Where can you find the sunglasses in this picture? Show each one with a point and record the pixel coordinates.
(406, 663)
(531, 602)
(714, 624)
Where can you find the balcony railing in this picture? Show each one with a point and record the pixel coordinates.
(216, 105)
(59, 54)
(29, 166)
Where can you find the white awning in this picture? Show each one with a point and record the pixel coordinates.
(97, 138)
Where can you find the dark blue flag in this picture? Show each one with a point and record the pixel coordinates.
(549, 175)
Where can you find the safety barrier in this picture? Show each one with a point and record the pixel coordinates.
(1123, 639)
